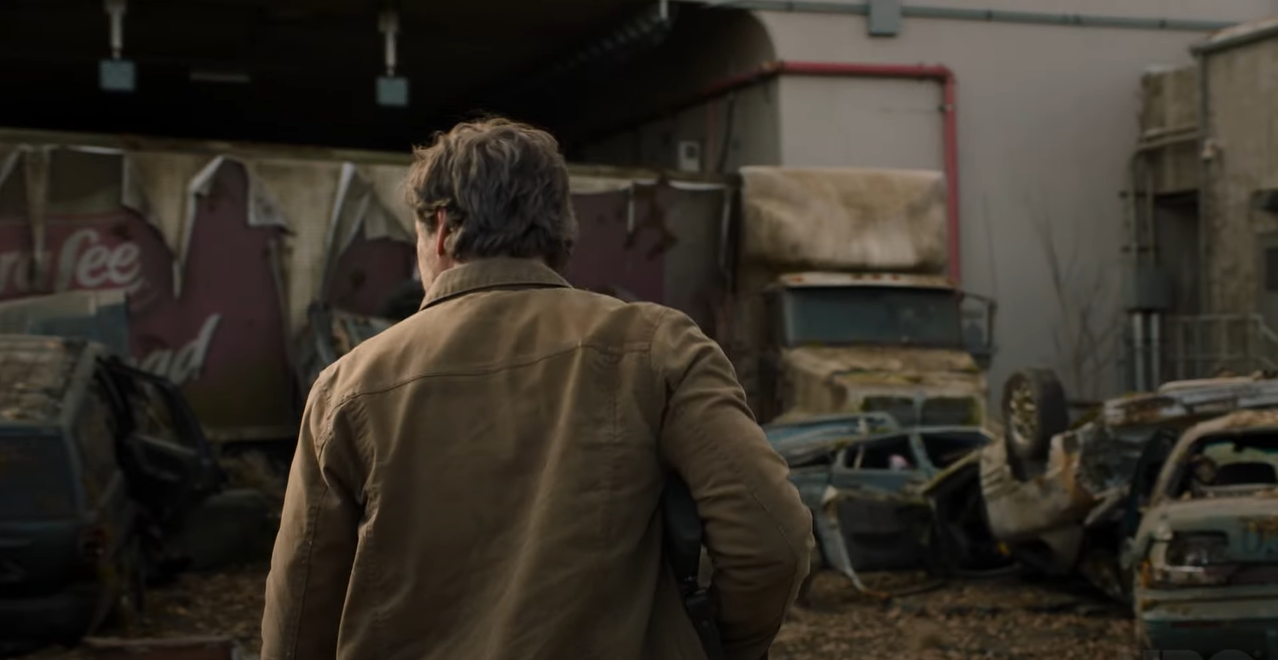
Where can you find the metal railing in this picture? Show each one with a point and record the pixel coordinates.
(1208, 345)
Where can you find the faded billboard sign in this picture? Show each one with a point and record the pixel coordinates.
(222, 340)
(224, 336)
(660, 244)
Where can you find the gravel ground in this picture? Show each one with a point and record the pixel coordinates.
(1004, 618)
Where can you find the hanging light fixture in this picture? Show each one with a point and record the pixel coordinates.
(116, 74)
(392, 90)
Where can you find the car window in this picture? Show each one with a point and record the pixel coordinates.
(893, 453)
(95, 437)
(153, 416)
(1247, 459)
(946, 447)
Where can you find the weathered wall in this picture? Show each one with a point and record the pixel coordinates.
(1169, 128)
(1047, 118)
(1242, 92)
(222, 339)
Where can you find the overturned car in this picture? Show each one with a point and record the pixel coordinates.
(1069, 500)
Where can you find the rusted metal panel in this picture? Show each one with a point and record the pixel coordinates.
(1020, 510)
(1218, 598)
(366, 273)
(620, 245)
(653, 242)
(222, 339)
(225, 335)
(694, 222)
(1179, 401)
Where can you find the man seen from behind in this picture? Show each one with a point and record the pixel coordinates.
(482, 480)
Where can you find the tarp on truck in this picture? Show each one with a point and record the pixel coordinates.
(844, 219)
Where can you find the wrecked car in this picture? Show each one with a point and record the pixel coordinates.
(1059, 497)
(107, 481)
(868, 483)
(1205, 555)
(91, 452)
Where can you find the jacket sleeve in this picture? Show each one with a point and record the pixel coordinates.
(318, 536)
(757, 531)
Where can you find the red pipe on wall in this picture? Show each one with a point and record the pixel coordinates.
(949, 115)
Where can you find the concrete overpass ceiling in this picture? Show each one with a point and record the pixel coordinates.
(704, 46)
(310, 65)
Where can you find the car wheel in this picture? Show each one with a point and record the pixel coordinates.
(1034, 410)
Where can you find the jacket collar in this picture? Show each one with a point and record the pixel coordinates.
(494, 273)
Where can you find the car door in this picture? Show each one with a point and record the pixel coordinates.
(1144, 476)
(173, 461)
(881, 525)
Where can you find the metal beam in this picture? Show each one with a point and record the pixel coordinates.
(982, 15)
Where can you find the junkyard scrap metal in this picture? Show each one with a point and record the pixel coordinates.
(223, 248)
(106, 479)
(887, 497)
(1205, 554)
(1070, 500)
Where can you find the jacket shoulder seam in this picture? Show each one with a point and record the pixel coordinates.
(631, 347)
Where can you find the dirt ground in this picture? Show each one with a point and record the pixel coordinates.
(1003, 618)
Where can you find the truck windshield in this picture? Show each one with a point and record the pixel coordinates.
(871, 315)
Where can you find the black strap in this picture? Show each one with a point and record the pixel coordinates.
(683, 550)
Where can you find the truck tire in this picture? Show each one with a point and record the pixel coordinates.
(1034, 410)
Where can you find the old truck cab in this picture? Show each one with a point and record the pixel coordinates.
(845, 305)
(890, 342)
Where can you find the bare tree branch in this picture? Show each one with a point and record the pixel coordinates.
(1086, 336)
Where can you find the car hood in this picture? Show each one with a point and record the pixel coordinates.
(1218, 513)
(890, 366)
(828, 380)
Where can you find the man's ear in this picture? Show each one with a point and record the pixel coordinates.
(441, 231)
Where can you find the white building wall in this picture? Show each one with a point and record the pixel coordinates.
(1047, 116)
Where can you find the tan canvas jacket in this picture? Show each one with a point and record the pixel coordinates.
(481, 482)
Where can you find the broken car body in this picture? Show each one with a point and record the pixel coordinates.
(867, 481)
(1205, 556)
(1062, 500)
(107, 477)
(91, 453)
